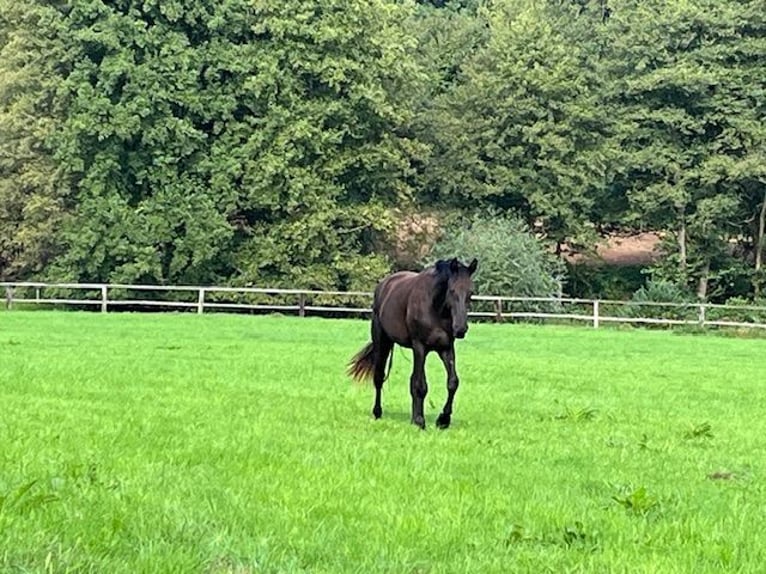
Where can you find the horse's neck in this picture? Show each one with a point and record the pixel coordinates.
(439, 286)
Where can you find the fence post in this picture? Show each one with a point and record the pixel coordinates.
(701, 315)
(9, 298)
(201, 301)
(37, 294)
(302, 305)
(498, 310)
(103, 298)
(595, 314)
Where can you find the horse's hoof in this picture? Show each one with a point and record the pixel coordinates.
(377, 413)
(443, 421)
(419, 421)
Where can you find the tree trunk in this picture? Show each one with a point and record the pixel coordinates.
(759, 240)
(682, 242)
(703, 281)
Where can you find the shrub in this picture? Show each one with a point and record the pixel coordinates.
(739, 310)
(661, 291)
(512, 261)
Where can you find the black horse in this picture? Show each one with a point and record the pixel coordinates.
(423, 311)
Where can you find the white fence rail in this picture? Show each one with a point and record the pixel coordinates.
(199, 299)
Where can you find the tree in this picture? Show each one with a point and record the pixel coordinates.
(684, 96)
(34, 195)
(211, 140)
(737, 163)
(523, 129)
(333, 146)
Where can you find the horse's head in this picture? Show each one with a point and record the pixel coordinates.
(459, 288)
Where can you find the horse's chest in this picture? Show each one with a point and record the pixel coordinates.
(432, 334)
(438, 339)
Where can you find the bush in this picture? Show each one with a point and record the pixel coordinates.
(743, 311)
(512, 262)
(617, 282)
(661, 291)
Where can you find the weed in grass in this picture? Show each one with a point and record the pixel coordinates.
(518, 535)
(722, 475)
(636, 500)
(699, 431)
(575, 534)
(577, 415)
(570, 536)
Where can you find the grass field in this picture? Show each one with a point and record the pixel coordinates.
(178, 443)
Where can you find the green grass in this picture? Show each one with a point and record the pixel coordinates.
(178, 443)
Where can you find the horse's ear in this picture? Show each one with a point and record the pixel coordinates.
(454, 265)
(472, 266)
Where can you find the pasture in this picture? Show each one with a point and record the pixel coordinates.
(236, 444)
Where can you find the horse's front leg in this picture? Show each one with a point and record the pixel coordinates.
(448, 358)
(418, 385)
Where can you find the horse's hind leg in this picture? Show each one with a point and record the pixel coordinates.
(418, 385)
(383, 348)
(448, 358)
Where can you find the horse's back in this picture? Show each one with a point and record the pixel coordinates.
(390, 306)
(394, 290)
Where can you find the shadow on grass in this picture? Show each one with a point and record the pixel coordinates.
(397, 416)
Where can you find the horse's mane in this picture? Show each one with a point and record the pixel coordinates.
(441, 271)
(442, 268)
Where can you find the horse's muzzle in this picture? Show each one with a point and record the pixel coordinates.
(460, 333)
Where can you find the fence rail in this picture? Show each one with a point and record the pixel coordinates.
(358, 303)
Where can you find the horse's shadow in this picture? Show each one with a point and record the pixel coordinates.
(405, 418)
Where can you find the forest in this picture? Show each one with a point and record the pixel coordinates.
(322, 144)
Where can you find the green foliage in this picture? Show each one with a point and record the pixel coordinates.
(687, 89)
(570, 535)
(577, 414)
(699, 431)
(743, 311)
(727, 271)
(512, 261)
(616, 282)
(636, 500)
(33, 191)
(647, 302)
(254, 143)
(520, 128)
(210, 141)
(661, 291)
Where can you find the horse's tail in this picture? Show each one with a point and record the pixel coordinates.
(363, 363)
(390, 364)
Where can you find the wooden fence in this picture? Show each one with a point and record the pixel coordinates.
(198, 299)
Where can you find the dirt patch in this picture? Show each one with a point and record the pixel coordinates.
(623, 250)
